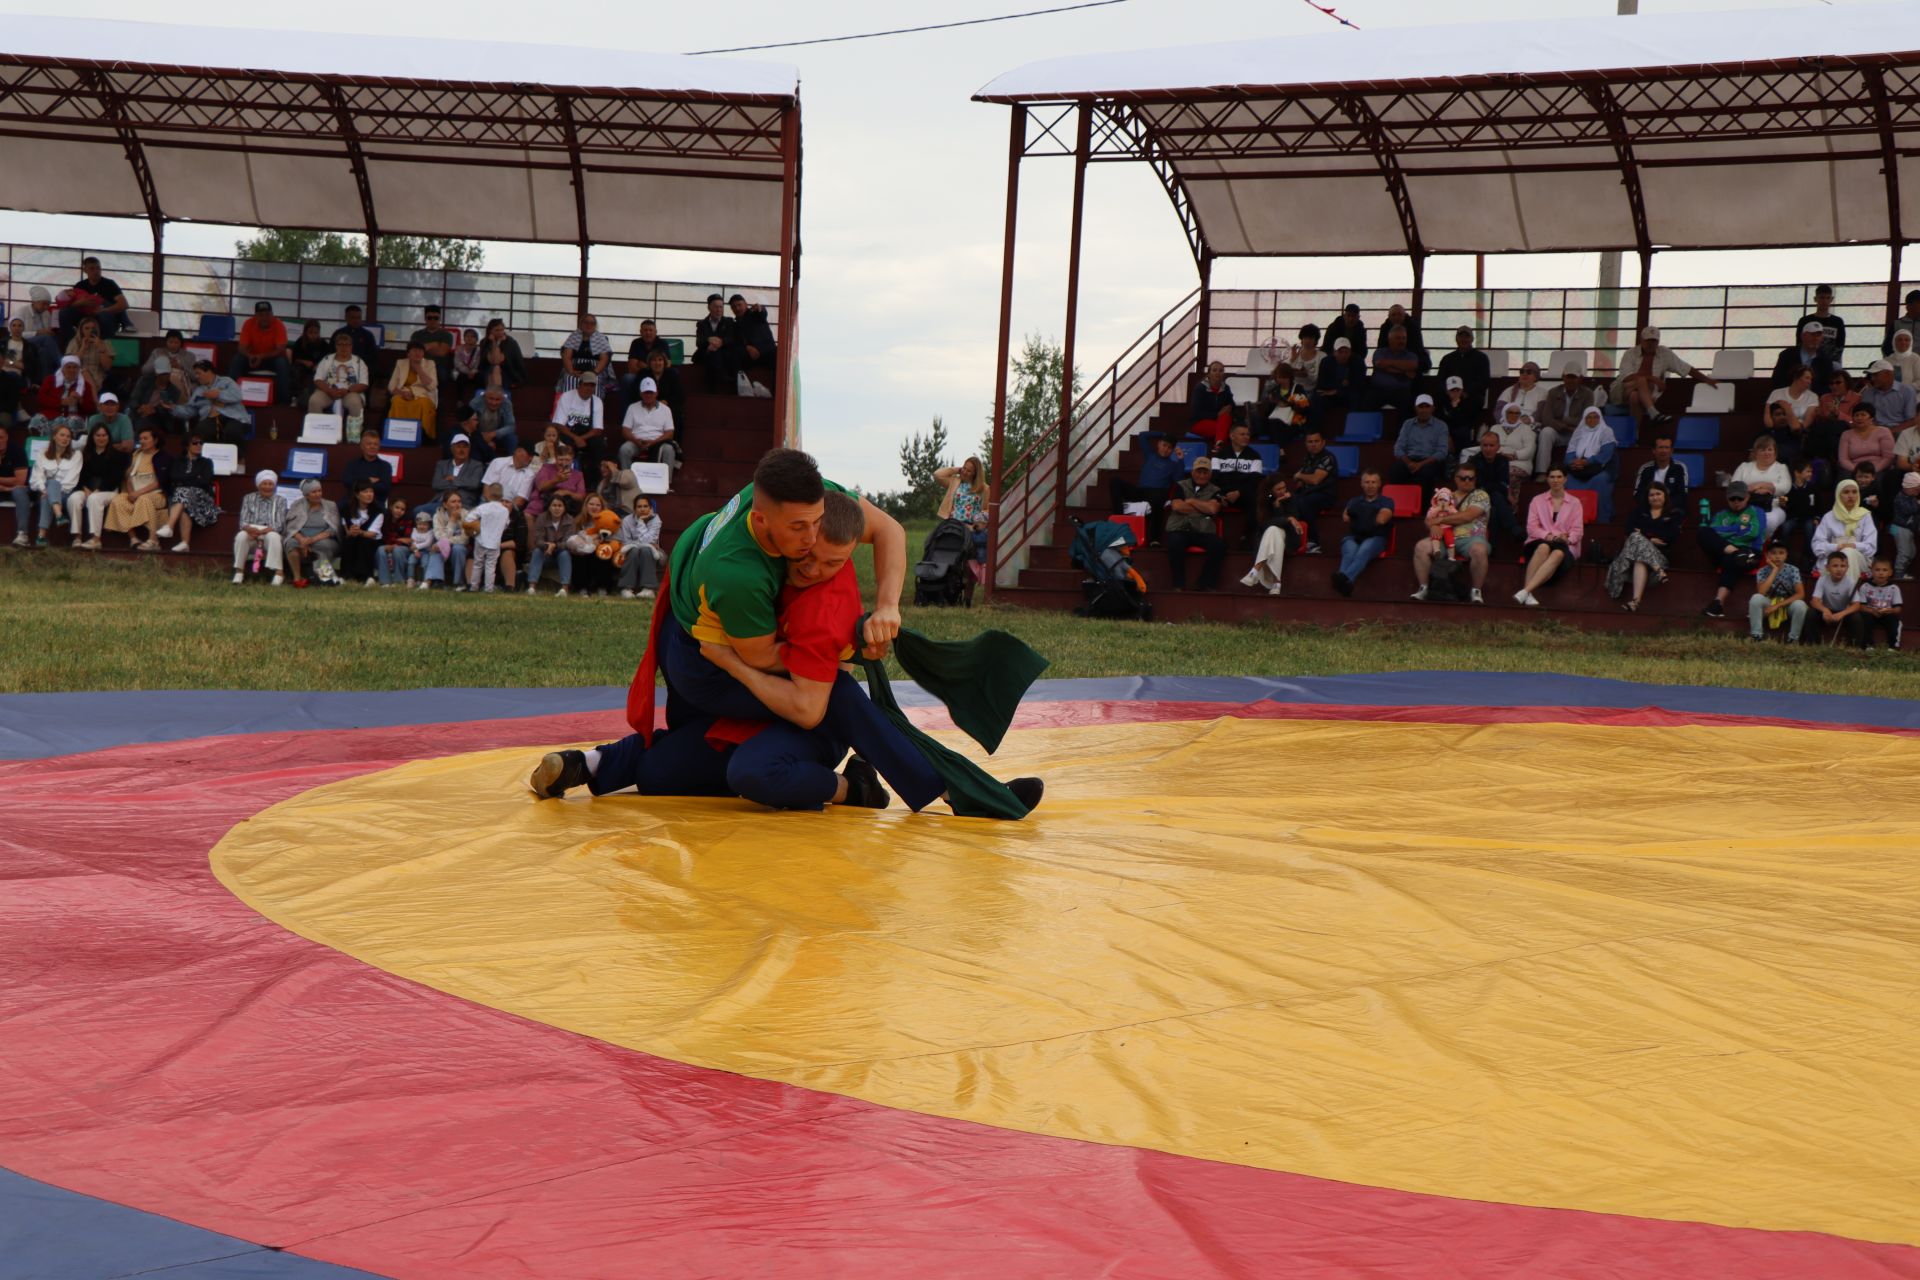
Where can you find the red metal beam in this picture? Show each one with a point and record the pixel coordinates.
(997, 475)
(1608, 109)
(350, 137)
(564, 105)
(1082, 141)
(130, 145)
(785, 431)
(1890, 168)
(1357, 110)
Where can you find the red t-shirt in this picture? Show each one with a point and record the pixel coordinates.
(816, 626)
(262, 339)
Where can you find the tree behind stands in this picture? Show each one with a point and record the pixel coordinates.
(1033, 404)
(331, 249)
(920, 457)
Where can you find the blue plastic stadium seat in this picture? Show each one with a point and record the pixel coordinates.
(216, 329)
(1695, 431)
(1348, 456)
(1626, 432)
(1696, 465)
(1269, 457)
(1189, 449)
(1364, 426)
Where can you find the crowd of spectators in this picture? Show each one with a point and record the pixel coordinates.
(125, 448)
(1832, 480)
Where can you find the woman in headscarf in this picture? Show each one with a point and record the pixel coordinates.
(65, 396)
(1768, 481)
(1848, 529)
(1518, 439)
(262, 515)
(1590, 460)
(1651, 533)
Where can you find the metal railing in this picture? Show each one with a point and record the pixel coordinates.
(539, 309)
(1695, 321)
(1119, 402)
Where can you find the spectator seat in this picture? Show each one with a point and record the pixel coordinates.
(1269, 457)
(1626, 432)
(1589, 504)
(1363, 426)
(1696, 465)
(1732, 366)
(1405, 499)
(1190, 448)
(1499, 363)
(1693, 432)
(1246, 388)
(1257, 363)
(144, 323)
(1708, 399)
(1219, 531)
(217, 329)
(1556, 365)
(1136, 523)
(1348, 456)
(126, 352)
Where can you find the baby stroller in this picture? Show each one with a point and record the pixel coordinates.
(1114, 589)
(942, 577)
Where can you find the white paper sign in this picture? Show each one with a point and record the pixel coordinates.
(401, 433)
(198, 350)
(393, 460)
(306, 463)
(37, 447)
(256, 391)
(320, 428)
(224, 457)
(653, 476)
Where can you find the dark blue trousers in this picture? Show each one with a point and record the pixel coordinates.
(697, 689)
(782, 767)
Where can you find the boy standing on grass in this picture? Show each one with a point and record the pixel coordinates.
(486, 523)
(1880, 605)
(1778, 596)
(1833, 594)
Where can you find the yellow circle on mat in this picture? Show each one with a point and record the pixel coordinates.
(1670, 972)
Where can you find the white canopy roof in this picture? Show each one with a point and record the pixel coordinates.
(1696, 130)
(425, 137)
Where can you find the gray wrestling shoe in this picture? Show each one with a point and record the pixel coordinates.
(863, 785)
(557, 773)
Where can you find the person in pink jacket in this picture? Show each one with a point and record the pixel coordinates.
(1556, 525)
(1867, 442)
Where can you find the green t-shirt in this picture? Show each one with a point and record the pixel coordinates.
(723, 583)
(119, 426)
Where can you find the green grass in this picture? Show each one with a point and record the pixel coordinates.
(73, 621)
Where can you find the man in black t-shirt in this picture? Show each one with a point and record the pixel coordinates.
(1369, 529)
(1832, 327)
(438, 343)
(97, 296)
(643, 346)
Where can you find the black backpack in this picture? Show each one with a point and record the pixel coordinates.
(1446, 580)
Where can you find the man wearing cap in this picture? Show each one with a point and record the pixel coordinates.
(1643, 375)
(43, 324)
(1333, 390)
(461, 474)
(1808, 353)
(638, 351)
(263, 513)
(214, 411)
(119, 426)
(65, 397)
(1462, 416)
(713, 346)
(263, 350)
(1469, 364)
(1420, 450)
(1834, 348)
(97, 296)
(1159, 472)
(648, 428)
(1893, 403)
(1559, 416)
(1191, 515)
(490, 425)
(1731, 538)
(580, 414)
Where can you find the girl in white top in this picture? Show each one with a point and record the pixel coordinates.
(1764, 474)
(53, 474)
(1798, 398)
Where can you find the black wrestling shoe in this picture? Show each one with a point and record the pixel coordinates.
(557, 773)
(863, 785)
(1028, 791)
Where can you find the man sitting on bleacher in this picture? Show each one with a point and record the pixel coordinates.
(215, 410)
(1495, 471)
(1239, 471)
(489, 420)
(1420, 450)
(1810, 353)
(713, 346)
(364, 345)
(1470, 365)
(1369, 527)
(1158, 472)
(1395, 365)
(1316, 484)
(1559, 416)
(1644, 371)
(1333, 389)
(97, 296)
(753, 336)
(370, 468)
(1666, 473)
(262, 350)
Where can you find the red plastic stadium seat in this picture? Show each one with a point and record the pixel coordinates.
(1136, 523)
(1404, 497)
(1589, 504)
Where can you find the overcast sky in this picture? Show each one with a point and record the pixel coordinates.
(905, 190)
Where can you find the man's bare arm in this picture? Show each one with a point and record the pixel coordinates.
(889, 543)
(803, 702)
